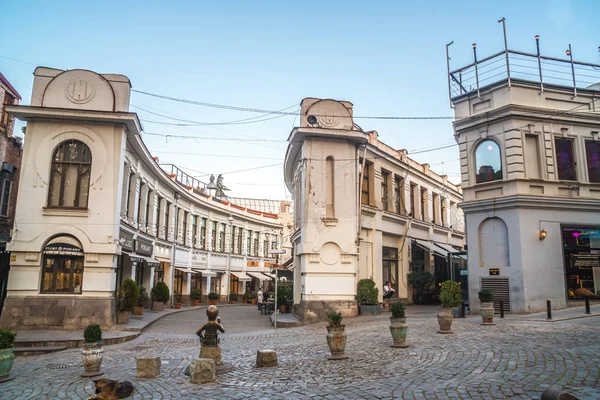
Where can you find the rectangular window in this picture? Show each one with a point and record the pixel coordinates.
(413, 201)
(185, 232)
(592, 153)
(398, 198)
(240, 233)
(139, 205)
(249, 243)
(213, 239)
(385, 176)
(424, 204)
(167, 208)
(195, 231)
(203, 234)
(128, 197)
(565, 161)
(147, 221)
(62, 274)
(366, 181)
(256, 235)
(266, 245)
(222, 239)
(158, 215)
(232, 236)
(5, 185)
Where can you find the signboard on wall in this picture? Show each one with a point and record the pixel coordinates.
(143, 247)
(494, 271)
(128, 240)
(586, 260)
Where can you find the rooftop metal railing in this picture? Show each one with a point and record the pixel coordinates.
(182, 178)
(511, 65)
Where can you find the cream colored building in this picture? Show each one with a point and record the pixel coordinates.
(362, 210)
(95, 208)
(530, 165)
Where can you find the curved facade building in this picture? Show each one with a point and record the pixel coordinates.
(95, 208)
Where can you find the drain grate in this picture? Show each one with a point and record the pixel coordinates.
(60, 366)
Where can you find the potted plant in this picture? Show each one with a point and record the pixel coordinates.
(160, 295)
(284, 292)
(421, 283)
(253, 297)
(142, 301)
(336, 337)
(398, 327)
(196, 296)
(233, 298)
(486, 307)
(212, 298)
(7, 357)
(177, 299)
(92, 352)
(450, 296)
(128, 298)
(367, 296)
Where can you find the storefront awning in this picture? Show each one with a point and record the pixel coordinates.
(204, 272)
(241, 276)
(183, 269)
(447, 247)
(162, 259)
(259, 276)
(142, 259)
(431, 248)
(270, 275)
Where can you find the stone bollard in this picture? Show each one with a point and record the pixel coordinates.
(148, 367)
(203, 370)
(554, 394)
(266, 358)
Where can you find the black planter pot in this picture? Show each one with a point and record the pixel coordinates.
(370, 309)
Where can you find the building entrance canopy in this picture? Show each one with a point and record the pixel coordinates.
(431, 248)
(241, 276)
(259, 276)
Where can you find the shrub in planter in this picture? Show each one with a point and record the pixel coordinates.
(142, 302)
(213, 298)
(284, 293)
(336, 337)
(233, 298)
(7, 357)
(128, 298)
(450, 296)
(367, 296)
(177, 300)
(486, 307)
(92, 352)
(420, 282)
(196, 296)
(398, 327)
(253, 297)
(160, 295)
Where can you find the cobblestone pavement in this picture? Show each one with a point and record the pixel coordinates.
(506, 361)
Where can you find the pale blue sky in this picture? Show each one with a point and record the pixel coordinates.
(387, 58)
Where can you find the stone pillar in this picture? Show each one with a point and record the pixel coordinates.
(133, 199)
(151, 280)
(124, 187)
(203, 370)
(133, 269)
(141, 213)
(151, 218)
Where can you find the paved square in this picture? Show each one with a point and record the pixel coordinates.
(512, 360)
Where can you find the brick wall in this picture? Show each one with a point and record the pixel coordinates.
(11, 151)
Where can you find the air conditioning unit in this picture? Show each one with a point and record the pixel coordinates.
(8, 167)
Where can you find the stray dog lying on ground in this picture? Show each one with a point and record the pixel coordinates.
(107, 389)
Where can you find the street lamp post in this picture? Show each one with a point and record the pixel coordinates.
(230, 220)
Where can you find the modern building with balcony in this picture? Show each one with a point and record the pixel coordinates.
(363, 210)
(96, 208)
(528, 130)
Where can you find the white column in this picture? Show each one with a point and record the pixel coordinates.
(207, 285)
(188, 284)
(151, 280)
(133, 268)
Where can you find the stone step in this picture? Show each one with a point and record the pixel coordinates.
(34, 351)
(75, 343)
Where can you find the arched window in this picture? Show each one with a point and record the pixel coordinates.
(62, 270)
(70, 175)
(493, 243)
(488, 161)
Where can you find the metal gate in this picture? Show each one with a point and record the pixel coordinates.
(4, 268)
(500, 290)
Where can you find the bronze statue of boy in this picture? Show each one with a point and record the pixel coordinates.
(211, 328)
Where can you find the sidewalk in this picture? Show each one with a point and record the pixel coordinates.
(557, 315)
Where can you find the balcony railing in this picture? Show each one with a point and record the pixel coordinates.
(182, 178)
(511, 65)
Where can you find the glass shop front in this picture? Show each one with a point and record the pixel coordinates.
(581, 250)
